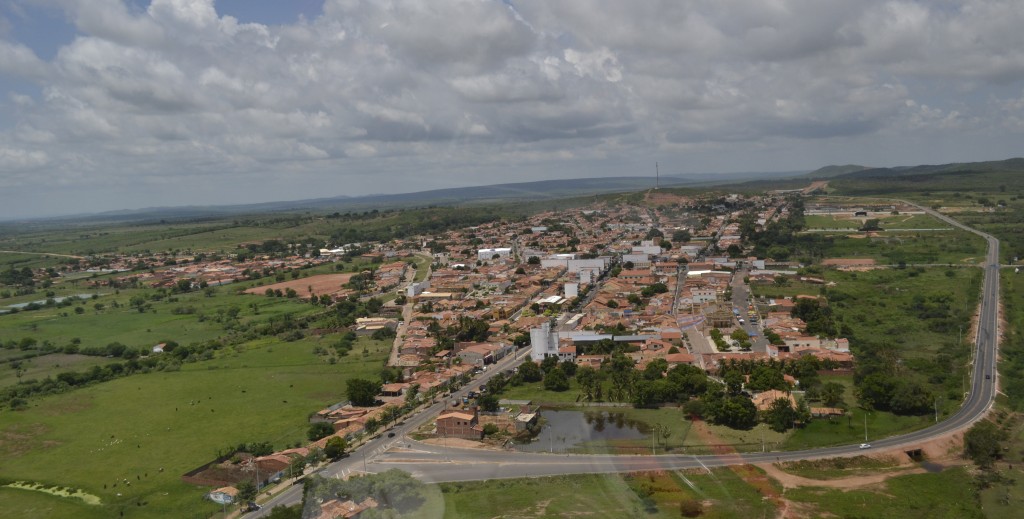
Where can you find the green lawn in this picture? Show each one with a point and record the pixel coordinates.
(831, 222)
(535, 392)
(131, 428)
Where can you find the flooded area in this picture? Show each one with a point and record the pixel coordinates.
(564, 430)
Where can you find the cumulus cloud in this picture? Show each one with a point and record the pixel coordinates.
(448, 92)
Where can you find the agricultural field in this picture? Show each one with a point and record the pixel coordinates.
(148, 429)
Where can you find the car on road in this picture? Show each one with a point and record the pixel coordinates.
(391, 435)
(988, 377)
(865, 446)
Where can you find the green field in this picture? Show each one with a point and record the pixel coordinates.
(47, 365)
(910, 247)
(947, 494)
(831, 222)
(126, 325)
(606, 496)
(132, 427)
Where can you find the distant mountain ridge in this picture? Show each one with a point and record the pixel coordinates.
(509, 192)
(1008, 165)
(835, 171)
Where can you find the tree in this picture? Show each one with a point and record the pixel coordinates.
(910, 397)
(735, 411)
(780, 415)
(372, 425)
(488, 402)
(319, 430)
(982, 443)
(286, 512)
(556, 380)
(530, 372)
(296, 467)
(689, 508)
(871, 225)
(655, 368)
(586, 377)
(533, 260)
(832, 394)
(490, 429)
(681, 236)
(362, 392)
(246, 491)
(335, 447)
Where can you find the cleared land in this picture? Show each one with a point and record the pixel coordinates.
(324, 284)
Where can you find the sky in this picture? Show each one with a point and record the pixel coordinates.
(115, 104)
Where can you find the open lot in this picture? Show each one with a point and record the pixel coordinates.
(323, 284)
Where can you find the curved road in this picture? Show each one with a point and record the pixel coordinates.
(433, 464)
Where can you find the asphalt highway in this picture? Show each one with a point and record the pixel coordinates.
(432, 463)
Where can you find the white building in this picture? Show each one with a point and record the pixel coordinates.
(572, 290)
(489, 254)
(543, 342)
(416, 289)
(639, 261)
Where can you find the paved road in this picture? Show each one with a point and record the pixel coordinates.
(741, 302)
(433, 463)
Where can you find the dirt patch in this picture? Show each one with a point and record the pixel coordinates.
(851, 483)
(848, 262)
(456, 442)
(324, 284)
(18, 440)
(758, 479)
(70, 405)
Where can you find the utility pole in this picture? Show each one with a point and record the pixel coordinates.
(865, 426)
(657, 177)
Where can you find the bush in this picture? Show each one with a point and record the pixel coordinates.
(691, 508)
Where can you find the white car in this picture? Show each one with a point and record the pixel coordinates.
(865, 446)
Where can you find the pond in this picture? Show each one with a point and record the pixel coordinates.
(55, 300)
(565, 430)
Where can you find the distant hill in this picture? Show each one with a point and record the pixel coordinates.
(835, 171)
(959, 176)
(511, 192)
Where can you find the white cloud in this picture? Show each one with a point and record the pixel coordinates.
(373, 88)
(14, 159)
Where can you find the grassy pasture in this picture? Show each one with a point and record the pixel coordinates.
(656, 495)
(49, 365)
(944, 494)
(912, 247)
(131, 427)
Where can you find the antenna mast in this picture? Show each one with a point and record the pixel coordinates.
(657, 176)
